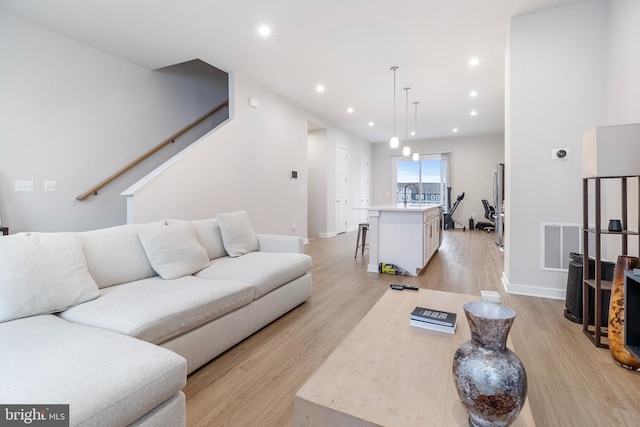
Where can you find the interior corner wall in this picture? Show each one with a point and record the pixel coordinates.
(75, 115)
(473, 160)
(557, 78)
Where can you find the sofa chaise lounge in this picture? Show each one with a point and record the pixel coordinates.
(111, 321)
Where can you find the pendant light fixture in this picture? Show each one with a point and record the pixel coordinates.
(394, 142)
(406, 150)
(416, 156)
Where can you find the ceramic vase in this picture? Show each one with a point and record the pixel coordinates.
(616, 314)
(490, 378)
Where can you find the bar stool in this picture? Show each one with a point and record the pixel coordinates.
(363, 227)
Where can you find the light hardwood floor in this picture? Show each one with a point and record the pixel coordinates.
(571, 382)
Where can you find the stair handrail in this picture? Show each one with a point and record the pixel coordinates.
(93, 191)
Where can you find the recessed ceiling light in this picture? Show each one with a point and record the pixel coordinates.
(473, 62)
(264, 31)
(474, 113)
(473, 94)
(455, 130)
(320, 88)
(371, 124)
(350, 110)
(413, 133)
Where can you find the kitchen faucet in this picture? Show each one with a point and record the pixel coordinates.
(405, 191)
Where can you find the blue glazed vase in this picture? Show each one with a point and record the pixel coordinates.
(490, 378)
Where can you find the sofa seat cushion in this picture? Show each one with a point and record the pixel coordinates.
(265, 270)
(156, 310)
(104, 377)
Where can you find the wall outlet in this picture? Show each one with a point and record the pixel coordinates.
(293, 225)
(24, 185)
(49, 186)
(559, 153)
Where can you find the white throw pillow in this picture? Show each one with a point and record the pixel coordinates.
(174, 251)
(43, 273)
(208, 234)
(238, 236)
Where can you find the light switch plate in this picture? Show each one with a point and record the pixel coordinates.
(24, 185)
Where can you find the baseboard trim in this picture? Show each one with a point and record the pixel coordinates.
(327, 235)
(532, 291)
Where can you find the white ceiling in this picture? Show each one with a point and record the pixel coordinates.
(346, 45)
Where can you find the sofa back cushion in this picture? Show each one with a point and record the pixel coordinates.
(237, 234)
(42, 273)
(208, 233)
(115, 255)
(174, 251)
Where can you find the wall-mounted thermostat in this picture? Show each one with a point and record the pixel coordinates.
(294, 175)
(560, 153)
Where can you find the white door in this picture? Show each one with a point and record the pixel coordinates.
(364, 187)
(341, 190)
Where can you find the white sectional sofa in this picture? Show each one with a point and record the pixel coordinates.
(111, 321)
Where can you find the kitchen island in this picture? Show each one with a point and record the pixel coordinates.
(406, 236)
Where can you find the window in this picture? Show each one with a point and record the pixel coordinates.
(421, 182)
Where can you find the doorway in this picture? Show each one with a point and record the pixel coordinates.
(341, 189)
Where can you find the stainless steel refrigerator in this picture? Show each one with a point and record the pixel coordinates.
(498, 202)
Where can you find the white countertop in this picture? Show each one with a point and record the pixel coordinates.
(400, 207)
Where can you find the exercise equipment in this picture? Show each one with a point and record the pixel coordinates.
(449, 222)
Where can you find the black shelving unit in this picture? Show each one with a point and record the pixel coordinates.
(597, 333)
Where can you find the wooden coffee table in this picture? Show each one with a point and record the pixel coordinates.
(387, 373)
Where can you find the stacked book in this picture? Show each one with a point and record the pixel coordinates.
(436, 320)
(490, 296)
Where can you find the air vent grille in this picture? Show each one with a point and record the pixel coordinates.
(558, 240)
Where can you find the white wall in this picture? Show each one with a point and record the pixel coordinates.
(246, 164)
(557, 77)
(623, 106)
(472, 158)
(623, 62)
(75, 115)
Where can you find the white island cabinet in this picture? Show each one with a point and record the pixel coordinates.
(406, 236)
